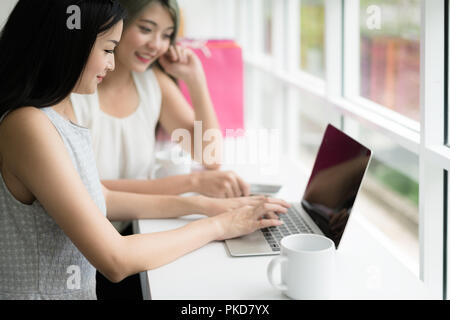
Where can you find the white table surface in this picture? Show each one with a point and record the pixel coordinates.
(364, 268)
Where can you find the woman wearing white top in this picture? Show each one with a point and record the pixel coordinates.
(54, 212)
(131, 101)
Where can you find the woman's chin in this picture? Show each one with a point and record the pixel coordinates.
(138, 66)
(141, 68)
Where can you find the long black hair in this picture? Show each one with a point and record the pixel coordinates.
(42, 56)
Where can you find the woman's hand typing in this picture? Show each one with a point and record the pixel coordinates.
(250, 218)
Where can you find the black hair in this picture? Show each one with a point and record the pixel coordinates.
(41, 57)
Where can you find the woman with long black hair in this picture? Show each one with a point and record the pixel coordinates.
(54, 212)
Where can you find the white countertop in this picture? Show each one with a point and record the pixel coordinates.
(364, 268)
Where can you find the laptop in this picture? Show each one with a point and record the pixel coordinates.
(325, 207)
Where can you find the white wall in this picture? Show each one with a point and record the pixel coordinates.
(5, 9)
(207, 19)
(204, 19)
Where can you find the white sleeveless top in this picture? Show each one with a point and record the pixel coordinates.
(123, 147)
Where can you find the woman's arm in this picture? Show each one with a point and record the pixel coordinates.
(150, 251)
(164, 186)
(124, 206)
(218, 184)
(33, 151)
(176, 113)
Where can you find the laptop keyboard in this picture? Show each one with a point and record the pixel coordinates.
(293, 224)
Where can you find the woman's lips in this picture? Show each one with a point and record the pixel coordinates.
(143, 59)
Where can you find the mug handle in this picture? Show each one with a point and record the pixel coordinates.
(270, 272)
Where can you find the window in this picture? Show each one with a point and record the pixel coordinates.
(268, 26)
(385, 57)
(310, 137)
(312, 37)
(376, 69)
(389, 196)
(263, 98)
(390, 55)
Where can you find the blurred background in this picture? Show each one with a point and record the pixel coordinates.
(287, 87)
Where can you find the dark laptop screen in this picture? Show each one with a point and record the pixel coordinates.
(334, 183)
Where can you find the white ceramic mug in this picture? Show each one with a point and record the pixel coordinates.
(307, 267)
(171, 162)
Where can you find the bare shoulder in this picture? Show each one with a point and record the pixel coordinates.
(162, 77)
(23, 128)
(23, 120)
(158, 72)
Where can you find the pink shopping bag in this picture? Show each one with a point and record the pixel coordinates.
(223, 66)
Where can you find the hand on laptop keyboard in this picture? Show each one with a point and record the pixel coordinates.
(217, 206)
(293, 224)
(248, 219)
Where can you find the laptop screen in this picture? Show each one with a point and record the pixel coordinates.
(334, 182)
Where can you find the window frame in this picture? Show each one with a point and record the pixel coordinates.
(434, 159)
(405, 131)
(426, 139)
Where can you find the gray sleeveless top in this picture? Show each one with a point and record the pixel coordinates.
(37, 259)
